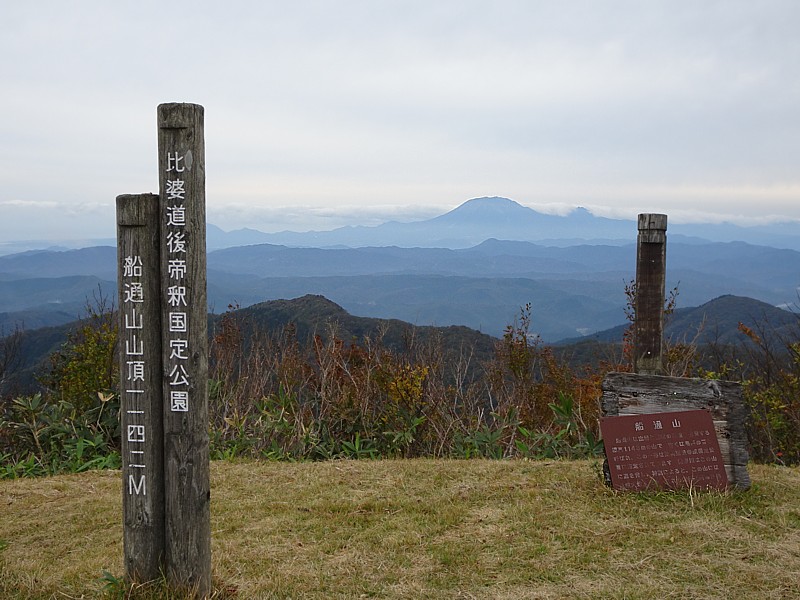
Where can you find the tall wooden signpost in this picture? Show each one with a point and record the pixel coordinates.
(164, 363)
(182, 181)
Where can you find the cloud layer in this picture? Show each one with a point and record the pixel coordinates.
(319, 109)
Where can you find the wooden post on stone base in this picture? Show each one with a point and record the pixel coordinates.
(651, 268)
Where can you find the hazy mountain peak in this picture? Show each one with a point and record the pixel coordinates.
(490, 202)
(581, 213)
(481, 218)
(487, 206)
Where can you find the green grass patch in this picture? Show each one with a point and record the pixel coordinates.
(421, 529)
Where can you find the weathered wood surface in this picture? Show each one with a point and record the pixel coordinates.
(181, 160)
(637, 394)
(140, 386)
(651, 266)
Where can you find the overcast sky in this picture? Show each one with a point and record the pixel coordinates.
(320, 114)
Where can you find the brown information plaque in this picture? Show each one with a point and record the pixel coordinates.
(671, 450)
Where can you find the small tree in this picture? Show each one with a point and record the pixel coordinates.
(86, 364)
(10, 355)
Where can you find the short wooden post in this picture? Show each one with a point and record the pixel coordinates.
(181, 166)
(140, 386)
(651, 266)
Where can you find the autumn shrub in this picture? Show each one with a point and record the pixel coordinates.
(537, 395)
(73, 424)
(770, 373)
(276, 396)
(87, 361)
(316, 400)
(55, 437)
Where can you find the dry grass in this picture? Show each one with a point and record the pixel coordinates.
(425, 529)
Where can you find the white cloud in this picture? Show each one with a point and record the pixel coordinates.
(29, 204)
(619, 105)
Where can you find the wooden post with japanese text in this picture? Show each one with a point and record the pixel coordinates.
(651, 267)
(181, 167)
(655, 434)
(140, 385)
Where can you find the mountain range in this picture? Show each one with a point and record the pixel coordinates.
(575, 289)
(492, 217)
(715, 322)
(468, 225)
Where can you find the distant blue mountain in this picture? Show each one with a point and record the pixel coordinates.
(467, 225)
(475, 265)
(99, 261)
(574, 290)
(479, 219)
(716, 322)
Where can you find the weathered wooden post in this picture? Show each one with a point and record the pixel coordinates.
(662, 431)
(181, 165)
(651, 267)
(140, 385)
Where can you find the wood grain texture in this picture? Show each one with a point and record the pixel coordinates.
(637, 394)
(181, 160)
(651, 267)
(140, 386)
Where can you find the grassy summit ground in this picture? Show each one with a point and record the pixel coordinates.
(425, 529)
